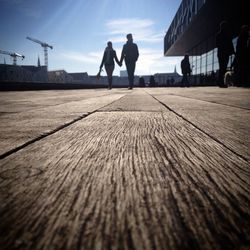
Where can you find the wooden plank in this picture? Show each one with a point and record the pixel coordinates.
(138, 100)
(125, 180)
(19, 128)
(228, 124)
(238, 97)
(22, 101)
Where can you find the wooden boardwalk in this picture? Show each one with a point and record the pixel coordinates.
(153, 168)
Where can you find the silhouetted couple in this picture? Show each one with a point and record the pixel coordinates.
(129, 53)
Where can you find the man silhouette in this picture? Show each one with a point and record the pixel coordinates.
(225, 49)
(130, 53)
(186, 71)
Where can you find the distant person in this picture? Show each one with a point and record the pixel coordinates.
(130, 53)
(108, 61)
(225, 50)
(152, 81)
(242, 57)
(141, 82)
(186, 71)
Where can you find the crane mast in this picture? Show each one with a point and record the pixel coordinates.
(45, 48)
(14, 55)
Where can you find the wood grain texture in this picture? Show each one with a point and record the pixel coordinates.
(235, 97)
(137, 100)
(125, 180)
(32, 118)
(229, 125)
(20, 101)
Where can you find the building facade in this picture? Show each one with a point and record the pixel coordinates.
(15, 73)
(59, 76)
(193, 31)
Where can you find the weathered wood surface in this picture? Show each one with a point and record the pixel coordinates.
(14, 102)
(229, 125)
(126, 180)
(237, 97)
(30, 116)
(138, 100)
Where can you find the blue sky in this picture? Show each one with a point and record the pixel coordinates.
(78, 30)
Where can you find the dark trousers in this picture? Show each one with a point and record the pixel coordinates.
(131, 71)
(184, 81)
(242, 75)
(109, 69)
(223, 62)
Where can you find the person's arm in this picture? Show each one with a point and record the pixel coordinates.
(116, 59)
(103, 60)
(122, 54)
(137, 52)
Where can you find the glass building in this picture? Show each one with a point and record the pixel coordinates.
(193, 31)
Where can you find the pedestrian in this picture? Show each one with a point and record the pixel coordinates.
(242, 57)
(152, 81)
(108, 61)
(130, 54)
(186, 71)
(225, 48)
(141, 82)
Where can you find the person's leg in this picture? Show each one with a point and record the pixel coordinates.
(109, 70)
(184, 80)
(130, 70)
(132, 74)
(128, 66)
(223, 61)
(187, 81)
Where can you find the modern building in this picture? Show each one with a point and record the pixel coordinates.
(194, 28)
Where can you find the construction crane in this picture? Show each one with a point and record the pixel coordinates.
(45, 47)
(14, 55)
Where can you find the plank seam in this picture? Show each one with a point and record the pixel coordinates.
(214, 102)
(38, 138)
(201, 130)
(50, 106)
(14, 150)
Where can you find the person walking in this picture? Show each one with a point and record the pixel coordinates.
(108, 61)
(186, 71)
(225, 48)
(242, 57)
(130, 54)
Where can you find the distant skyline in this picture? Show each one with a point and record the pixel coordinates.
(78, 30)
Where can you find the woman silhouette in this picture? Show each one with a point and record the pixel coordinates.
(108, 61)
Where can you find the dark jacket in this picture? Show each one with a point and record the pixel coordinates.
(242, 55)
(224, 43)
(109, 59)
(130, 52)
(185, 66)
